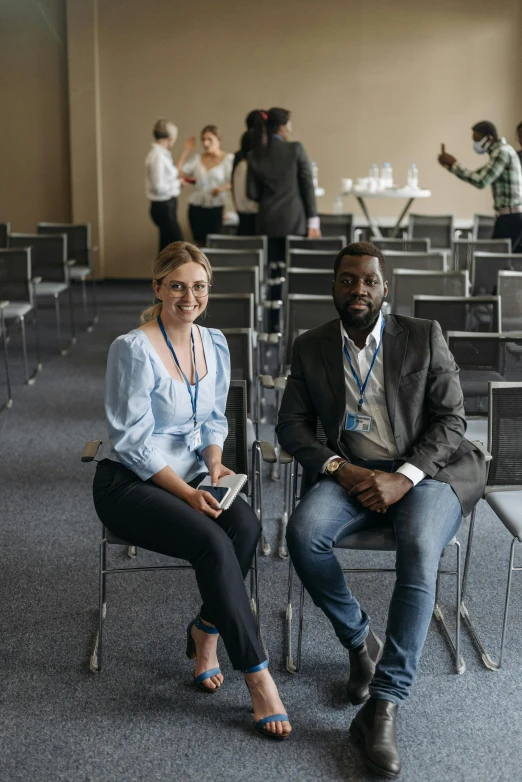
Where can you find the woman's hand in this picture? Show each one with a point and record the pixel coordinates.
(217, 471)
(217, 191)
(190, 144)
(204, 502)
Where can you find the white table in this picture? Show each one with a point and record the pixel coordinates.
(409, 193)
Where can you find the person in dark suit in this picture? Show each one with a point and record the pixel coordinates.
(246, 208)
(280, 180)
(387, 392)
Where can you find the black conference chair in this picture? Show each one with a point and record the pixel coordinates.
(17, 285)
(50, 264)
(464, 250)
(337, 225)
(408, 283)
(4, 234)
(236, 458)
(431, 261)
(310, 259)
(79, 250)
(460, 313)
(503, 494)
(230, 311)
(308, 281)
(222, 242)
(302, 313)
(483, 226)
(403, 245)
(332, 244)
(379, 539)
(485, 267)
(509, 288)
(439, 229)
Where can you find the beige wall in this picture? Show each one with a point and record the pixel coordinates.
(34, 148)
(367, 80)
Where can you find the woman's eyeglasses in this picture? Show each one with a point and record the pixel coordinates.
(177, 290)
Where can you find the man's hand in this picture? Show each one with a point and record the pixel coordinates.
(349, 475)
(314, 233)
(381, 490)
(446, 160)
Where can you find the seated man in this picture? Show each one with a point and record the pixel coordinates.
(387, 392)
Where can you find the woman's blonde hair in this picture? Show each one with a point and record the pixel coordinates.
(169, 259)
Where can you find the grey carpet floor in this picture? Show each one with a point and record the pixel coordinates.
(140, 719)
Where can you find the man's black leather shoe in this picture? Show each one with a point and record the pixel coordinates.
(375, 729)
(363, 661)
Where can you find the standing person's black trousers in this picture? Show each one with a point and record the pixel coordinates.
(509, 227)
(247, 224)
(205, 220)
(220, 550)
(164, 215)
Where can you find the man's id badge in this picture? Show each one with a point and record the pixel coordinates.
(194, 439)
(355, 422)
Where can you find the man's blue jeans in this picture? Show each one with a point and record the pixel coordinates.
(424, 521)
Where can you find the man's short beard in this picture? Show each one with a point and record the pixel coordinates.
(362, 320)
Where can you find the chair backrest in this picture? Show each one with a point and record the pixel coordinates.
(337, 225)
(483, 226)
(403, 245)
(239, 279)
(48, 254)
(240, 345)
(224, 257)
(311, 259)
(464, 249)
(509, 288)
(485, 267)
(305, 312)
(408, 283)
(15, 275)
(332, 244)
(438, 229)
(230, 311)
(78, 240)
(432, 261)
(309, 281)
(505, 434)
(223, 242)
(482, 358)
(460, 313)
(4, 234)
(235, 450)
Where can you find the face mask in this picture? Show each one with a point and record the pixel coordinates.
(480, 146)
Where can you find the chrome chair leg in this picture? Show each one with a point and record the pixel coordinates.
(37, 335)
(454, 645)
(287, 477)
(508, 593)
(95, 663)
(94, 305)
(29, 379)
(9, 402)
(132, 551)
(71, 315)
(290, 665)
(63, 351)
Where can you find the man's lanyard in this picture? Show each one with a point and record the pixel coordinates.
(193, 396)
(362, 388)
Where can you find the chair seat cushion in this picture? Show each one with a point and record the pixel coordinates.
(17, 309)
(50, 288)
(79, 272)
(508, 507)
(374, 539)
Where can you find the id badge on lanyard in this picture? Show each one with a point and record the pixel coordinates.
(360, 422)
(193, 439)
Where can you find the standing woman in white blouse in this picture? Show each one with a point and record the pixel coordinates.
(162, 184)
(211, 173)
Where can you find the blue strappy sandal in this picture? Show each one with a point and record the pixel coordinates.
(273, 717)
(191, 654)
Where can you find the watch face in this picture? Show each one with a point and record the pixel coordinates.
(333, 465)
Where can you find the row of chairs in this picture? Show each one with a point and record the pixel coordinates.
(38, 267)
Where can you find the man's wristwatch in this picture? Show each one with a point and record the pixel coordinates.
(334, 465)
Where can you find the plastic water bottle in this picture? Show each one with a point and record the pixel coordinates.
(386, 176)
(374, 173)
(413, 176)
(315, 174)
(338, 206)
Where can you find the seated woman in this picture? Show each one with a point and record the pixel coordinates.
(166, 389)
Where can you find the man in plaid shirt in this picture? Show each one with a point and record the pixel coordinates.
(503, 172)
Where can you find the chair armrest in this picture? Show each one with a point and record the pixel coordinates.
(274, 281)
(91, 450)
(285, 458)
(272, 338)
(484, 451)
(71, 263)
(280, 383)
(268, 453)
(3, 304)
(36, 280)
(267, 381)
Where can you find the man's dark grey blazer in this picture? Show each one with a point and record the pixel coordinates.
(281, 181)
(423, 397)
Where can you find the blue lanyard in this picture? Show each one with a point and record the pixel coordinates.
(362, 388)
(193, 396)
